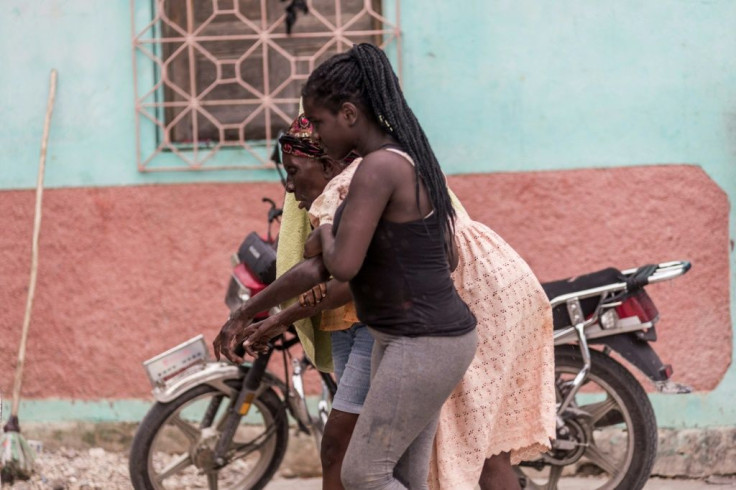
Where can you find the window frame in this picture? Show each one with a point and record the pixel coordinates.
(154, 151)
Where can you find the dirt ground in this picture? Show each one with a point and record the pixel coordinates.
(98, 469)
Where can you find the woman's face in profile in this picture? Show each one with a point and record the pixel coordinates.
(305, 177)
(331, 129)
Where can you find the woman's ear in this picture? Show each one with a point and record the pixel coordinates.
(330, 168)
(350, 112)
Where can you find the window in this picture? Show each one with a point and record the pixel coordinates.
(216, 74)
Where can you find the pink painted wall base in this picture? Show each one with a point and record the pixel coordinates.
(127, 272)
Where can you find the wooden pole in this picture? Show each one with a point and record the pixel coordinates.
(34, 248)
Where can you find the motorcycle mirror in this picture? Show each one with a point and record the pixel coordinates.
(277, 158)
(273, 212)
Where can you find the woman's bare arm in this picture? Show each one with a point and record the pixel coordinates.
(296, 280)
(370, 192)
(258, 335)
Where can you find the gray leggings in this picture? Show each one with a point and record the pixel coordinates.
(411, 377)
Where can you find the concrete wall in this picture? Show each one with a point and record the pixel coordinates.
(587, 134)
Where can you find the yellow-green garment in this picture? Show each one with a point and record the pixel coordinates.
(293, 234)
(456, 202)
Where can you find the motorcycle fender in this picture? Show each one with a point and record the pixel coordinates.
(640, 354)
(214, 374)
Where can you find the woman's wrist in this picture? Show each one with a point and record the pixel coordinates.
(243, 311)
(314, 296)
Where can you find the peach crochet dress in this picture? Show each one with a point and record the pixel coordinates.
(506, 400)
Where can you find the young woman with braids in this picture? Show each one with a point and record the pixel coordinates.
(504, 408)
(306, 178)
(392, 240)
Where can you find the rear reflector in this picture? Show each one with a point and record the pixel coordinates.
(640, 305)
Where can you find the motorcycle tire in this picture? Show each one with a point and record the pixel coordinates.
(268, 405)
(627, 405)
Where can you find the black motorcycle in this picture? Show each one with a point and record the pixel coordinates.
(218, 425)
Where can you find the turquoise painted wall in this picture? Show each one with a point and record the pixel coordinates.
(499, 85)
(549, 85)
(92, 140)
(514, 85)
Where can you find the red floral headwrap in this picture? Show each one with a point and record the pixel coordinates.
(299, 140)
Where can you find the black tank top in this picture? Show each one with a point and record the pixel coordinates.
(404, 285)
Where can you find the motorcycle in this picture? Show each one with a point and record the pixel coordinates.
(606, 427)
(220, 425)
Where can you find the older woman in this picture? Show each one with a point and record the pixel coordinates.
(337, 335)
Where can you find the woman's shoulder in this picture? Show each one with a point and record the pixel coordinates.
(324, 207)
(386, 164)
(341, 182)
(387, 155)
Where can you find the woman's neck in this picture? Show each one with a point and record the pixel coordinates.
(374, 138)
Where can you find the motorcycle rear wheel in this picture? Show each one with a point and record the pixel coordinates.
(171, 451)
(613, 423)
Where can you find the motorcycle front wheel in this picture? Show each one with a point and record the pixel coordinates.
(610, 432)
(174, 445)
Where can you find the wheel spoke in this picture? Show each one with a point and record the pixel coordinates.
(211, 412)
(212, 480)
(256, 444)
(563, 387)
(189, 431)
(174, 467)
(598, 410)
(554, 477)
(599, 459)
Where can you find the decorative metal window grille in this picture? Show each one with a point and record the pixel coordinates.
(224, 74)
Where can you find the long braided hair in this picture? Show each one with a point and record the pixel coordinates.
(364, 77)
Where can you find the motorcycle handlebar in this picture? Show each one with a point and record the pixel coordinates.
(273, 212)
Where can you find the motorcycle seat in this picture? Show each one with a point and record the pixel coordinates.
(560, 316)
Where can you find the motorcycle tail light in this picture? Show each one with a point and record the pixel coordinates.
(638, 304)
